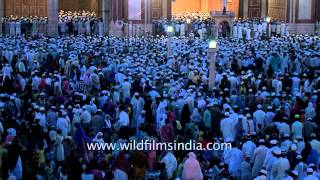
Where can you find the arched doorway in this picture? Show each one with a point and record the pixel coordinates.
(225, 29)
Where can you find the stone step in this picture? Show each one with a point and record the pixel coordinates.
(301, 28)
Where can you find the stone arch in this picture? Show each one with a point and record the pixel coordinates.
(220, 20)
(225, 28)
(226, 21)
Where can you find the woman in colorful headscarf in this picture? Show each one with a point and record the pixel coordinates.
(99, 155)
(191, 168)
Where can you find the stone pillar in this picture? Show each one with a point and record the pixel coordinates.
(169, 12)
(1, 8)
(293, 20)
(245, 8)
(146, 15)
(1, 14)
(317, 11)
(164, 9)
(264, 8)
(212, 68)
(52, 18)
(106, 15)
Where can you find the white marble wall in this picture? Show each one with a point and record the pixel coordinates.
(134, 9)
(305, 9)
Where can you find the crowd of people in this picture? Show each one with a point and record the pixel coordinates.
(200, 24)
(80, 22)
(17, 26)
(256, 28)
(59, 94)
(69, 23)
(203, 25)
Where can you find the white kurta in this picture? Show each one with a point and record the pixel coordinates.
(258, 158)
(296, 129)
(279, 168)
(63, 124)
(60, 148)
(233, 158)
(227, 129)
(100, 27)
(182, 30)
(235, 31)
(123, 119)
(18, 28)
(171, 163)
(12, 28)
(240, 32)
(259, 117)
(88, 28)
(248, 34)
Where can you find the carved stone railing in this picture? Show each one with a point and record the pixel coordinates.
(221, 13)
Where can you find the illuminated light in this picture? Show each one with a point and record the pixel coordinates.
(268, 19)
(213, 44)
(170, 29)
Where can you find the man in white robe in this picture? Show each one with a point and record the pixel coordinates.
(126, 86)
(233, 158)
(171, 163)
(101, 28)
(258, 157)
(18, 28)
(12, 28)
(63, 124)
(6, 72)
(248, 34)
(227, 127)
(137, 104)
(296, 129)
(280, 167)
(248, 147)
(240, 28)
(235, 31)
(123, 119)
(259, 117)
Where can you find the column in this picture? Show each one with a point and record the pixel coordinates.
(52, 18)
(106, 15)
(164, 9)
(317, 16)
(294, 2)
(1, 8)
(169, 9)
(264, 10)
(1, 14)
(146, 16)
(245, 8)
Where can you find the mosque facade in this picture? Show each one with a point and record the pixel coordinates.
(303, 16)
